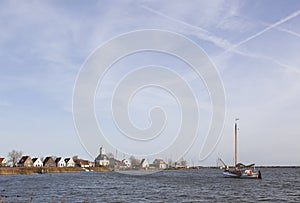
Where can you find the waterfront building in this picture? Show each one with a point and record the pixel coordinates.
(127, 162)
(102, 159)
(3, 162)
(159, 163)
(25, 161)
(60, 162)
(37, 162)
(69, 162)
(144, 163)
(49, 162)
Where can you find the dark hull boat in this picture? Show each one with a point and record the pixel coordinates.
(247, 174)
(240, 170)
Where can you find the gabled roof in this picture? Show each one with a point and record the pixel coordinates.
(68, 159)
(84, 162)
(102, 157)
(159, 161)
(48, 158)
(23, 159)
(2, 159)
(35, 159)
(144, 160)
(59, 159)
(126, 160)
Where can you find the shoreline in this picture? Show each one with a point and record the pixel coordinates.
(45, 170)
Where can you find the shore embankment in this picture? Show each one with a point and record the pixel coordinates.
(42, 170)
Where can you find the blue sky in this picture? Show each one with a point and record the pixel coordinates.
(254, 45)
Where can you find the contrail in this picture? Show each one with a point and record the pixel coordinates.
(293, 15)
(288, 31)
(227, 46)
(282, 29)
(204, 34)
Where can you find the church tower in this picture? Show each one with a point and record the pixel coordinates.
(102, 151)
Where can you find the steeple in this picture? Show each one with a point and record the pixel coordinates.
(102, 151)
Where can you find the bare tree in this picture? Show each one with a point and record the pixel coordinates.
(14, 156)
(110, 155)
(135, 163)
(170, 163)
(183, 163)
(112, 160)
(132, 158)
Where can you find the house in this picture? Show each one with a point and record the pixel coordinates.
(3, 162)
(91, 164)
(25, 161)
(127, 163)
(49, 162)
(102, 159)
(37, 162)
(69, 162)
(81, 163)
(60, 162)
(76, 161)
(144, 163)
(159, 163)
(84, 163)
(120, 165)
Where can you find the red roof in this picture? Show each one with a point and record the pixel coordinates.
(84, 162)
(1, 159)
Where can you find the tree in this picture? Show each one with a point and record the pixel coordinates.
(183, 163)
(110, 155)
(14, 156)
(170, 163)
(111, 160)
(135, 163)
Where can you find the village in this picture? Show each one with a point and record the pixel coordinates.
(102, 160)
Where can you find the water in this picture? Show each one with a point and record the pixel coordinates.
(205, 185)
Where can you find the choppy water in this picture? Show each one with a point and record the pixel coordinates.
(205, 185)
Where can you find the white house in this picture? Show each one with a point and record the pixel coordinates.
(102, 159)
(69, 162)
(144, 163)
(60, 162)
(37, 162)
(159, 163)
(127, 163)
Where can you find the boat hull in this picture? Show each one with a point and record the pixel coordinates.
(254, 175)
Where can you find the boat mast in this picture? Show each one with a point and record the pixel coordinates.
(235, 143)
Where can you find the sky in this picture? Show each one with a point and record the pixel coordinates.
(254, 47)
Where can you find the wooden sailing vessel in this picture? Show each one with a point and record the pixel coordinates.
(240, 170)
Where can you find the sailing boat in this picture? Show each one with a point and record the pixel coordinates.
(240, 170)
